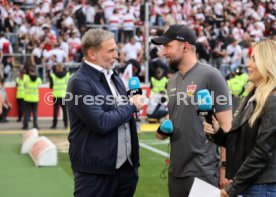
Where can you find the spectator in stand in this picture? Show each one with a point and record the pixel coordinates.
(5, 45)
(9, 27)
(203, 50)
(2, 15)
(234, 54)
(89, 11)
(36, 31)
(132, 50)
(163, 12)
(60, 54)
(37, 56)
(121, 7)
(49, 36)
(128, 20)
(245, 45)
(256, 33)
(99, 16)
(139, 36)
(30, 16)
(152, 34)
(38, 9)
(155, 63)
(238, 31)
(8, 66)
(169, 18)
(216, 19)
(108, 7)
(224, 29)
(6, 105)
(68, 21)
(218, 9)
(81, 18)
(176, 11)
(46, 7)
(218, 54)
(24, 28)
(114, 24)
(63, 43)
(18, 15)
(74, 44)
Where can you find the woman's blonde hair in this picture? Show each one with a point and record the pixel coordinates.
(265, 58)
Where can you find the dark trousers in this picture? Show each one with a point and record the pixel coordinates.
(121, 184)
(30, 107)
(20, 103)
(3, 116)
(181, 187)
(58, 102)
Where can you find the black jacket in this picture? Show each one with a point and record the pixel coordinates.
(250, 151)
(93, 133)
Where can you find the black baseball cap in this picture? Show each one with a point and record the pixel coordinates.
(176, 32)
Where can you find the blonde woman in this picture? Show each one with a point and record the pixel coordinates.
(251, 142)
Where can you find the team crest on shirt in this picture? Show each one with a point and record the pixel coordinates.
(191, 89)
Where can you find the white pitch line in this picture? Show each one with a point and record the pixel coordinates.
(154, 142)
(155, 150)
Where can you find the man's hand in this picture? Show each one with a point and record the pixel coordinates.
(138, 100)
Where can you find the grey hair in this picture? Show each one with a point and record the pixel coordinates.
(93, 39)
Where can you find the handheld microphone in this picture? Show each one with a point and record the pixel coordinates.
(134, 88)
(166, 128)
(205, 106)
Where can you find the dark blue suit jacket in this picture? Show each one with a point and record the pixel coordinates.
(94, 125)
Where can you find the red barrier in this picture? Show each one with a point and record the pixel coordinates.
(45, 110)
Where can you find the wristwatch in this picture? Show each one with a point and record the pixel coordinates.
(222, 164)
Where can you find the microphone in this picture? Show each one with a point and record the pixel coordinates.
(166, 128)
(134, 88)
(205, 106)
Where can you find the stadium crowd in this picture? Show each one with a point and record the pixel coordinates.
(44, 33)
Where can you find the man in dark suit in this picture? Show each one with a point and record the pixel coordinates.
(103, 138)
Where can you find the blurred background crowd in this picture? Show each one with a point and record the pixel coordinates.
(43, 33)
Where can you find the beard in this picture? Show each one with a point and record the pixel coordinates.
(174, 64)
(112, 66)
